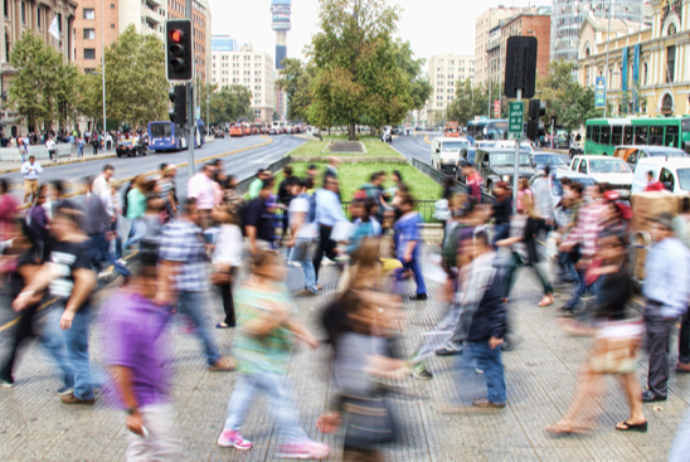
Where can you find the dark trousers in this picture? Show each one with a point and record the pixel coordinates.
(228, 301)
(684, 340)
(501, 231)
(326, 246)
(658, 338)
(98, 253)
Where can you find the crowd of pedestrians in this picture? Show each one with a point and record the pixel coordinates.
(217, 243)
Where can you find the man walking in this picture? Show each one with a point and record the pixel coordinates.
(329, 211)
(184, 272)
(101, 185)
(667, 291)
(200, 188)
(31, 170)
(258, 220)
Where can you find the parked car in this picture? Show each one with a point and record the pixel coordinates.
(556, 189)
(605, 169)
(672, 172)
(633, 154)
(554, 161)
(219, 134)
(497, 164)
(445, 152)
(131, 147)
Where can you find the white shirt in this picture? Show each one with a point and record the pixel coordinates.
(50, 144)
(301, 205)
(100, 186)
(228, 249)
(31, 171)
(200, 187)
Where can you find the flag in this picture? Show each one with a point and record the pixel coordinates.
(54, 29)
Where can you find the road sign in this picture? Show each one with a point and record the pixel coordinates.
(516, 117)
(600, 93)
(497, 109)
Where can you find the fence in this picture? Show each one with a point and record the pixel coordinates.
(440, 178)
(425, 208)
(40, 152)
(243, 186)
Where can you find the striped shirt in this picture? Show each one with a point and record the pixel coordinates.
(182, 242)
(589, 224)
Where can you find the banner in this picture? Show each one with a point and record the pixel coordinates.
(624, 70)
(600, 93)
(636, 79)
(54, 28)
(497, 109)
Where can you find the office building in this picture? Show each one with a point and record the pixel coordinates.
(224, 43)
(252, 69)
(487, 21)
(446, 71)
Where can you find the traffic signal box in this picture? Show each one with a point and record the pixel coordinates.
(179, 50)
(178, 98)
(535, 127)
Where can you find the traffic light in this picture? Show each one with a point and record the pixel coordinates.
(521, 66)
(536, 109)
(178, 98)
(179, 50)
(535, 127)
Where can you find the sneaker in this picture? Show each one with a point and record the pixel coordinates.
(486, 404)
(419, 297)
(327, 262)
(71, 399)
(447, 352)
(422, 374)
(305, 450)
(65, 390)
(233, 439)
(294, 264)
(223, 364)
(6, 383)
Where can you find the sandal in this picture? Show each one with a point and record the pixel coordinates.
(222, 325)
(546, 301)
(642, 428)
(559, 429)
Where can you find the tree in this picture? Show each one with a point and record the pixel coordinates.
(357, 73)
(43, 88)
(137, 91)
(420, 87)
(89, 96)
(295, 81)
(230, 104)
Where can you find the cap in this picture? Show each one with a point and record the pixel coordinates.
(664, 219)
(612, 195)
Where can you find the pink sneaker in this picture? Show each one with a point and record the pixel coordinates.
(233, 439)
(304, 450)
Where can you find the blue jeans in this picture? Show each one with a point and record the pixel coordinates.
(579, 291)
(98, 253)
(480, 355)
(565, 261)
(190, 304)
(276, 389)
(77, 343)
(681, 443)
(136, 232)
(301, 251)
(500, 232)
(413, 265)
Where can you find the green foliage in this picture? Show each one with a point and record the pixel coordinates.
(296, 80)
(43, 89)
(470, 102)
(230, 103)
(136, 88)
(89, 96)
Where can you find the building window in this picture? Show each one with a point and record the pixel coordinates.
(59, 16)
(670, 63)
(112, 26)
(89, 53)
(23, 13)
(89, 34)
(89, 13)
(38, 17)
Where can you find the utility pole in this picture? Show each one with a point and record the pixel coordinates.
(191, 138)
(103, 62)
(606, 72)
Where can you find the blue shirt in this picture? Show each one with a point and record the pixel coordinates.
(407, 230)
(329, 211)
(667, 277)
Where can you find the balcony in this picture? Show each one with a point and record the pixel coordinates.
(151, 13)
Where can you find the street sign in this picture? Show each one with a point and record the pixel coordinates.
(600, 93)
(497, 109)
(516, 117)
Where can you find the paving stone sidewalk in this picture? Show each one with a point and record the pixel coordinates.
(541, 375)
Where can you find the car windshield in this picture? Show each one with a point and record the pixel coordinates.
(667, 154)
(557, 187)
(548, 160)
(498, 160)
(608, 166)
(684, 178)
(454, 146)
(161, 130)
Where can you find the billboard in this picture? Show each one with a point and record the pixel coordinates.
(600, 93)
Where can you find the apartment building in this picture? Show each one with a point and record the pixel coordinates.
(88, 39)
(445, 71)
(487, 21)
(21, 16)
(254, 70)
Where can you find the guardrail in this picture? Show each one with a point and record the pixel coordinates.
(426, 209)
(40, 152)
(243, 186)
(440, 178)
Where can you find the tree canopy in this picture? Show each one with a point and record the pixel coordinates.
(229, 104)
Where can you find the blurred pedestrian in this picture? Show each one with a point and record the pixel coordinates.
(137, 354)
(184, 274)
(8, 211)
(285, 196)
(101, 185)
(227, 259)
(329, 211)
(255, 186)
(408, 244)
(81, 143)
(268, 326)
(31, 171)
(681, 228)
(303, 234)
(135, 208)
(200, 188)
(258, 219)
(37, 221)
(502, 210)
(667, 291)
(68, 275)
(52, 148)
(166, 187)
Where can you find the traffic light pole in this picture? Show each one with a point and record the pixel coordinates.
(518, 97)
(191, 123)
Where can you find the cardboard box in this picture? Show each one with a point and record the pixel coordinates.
(652, 203)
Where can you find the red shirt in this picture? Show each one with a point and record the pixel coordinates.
(474, 182)
(655, 186)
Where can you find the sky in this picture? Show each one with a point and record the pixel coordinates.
(431, 26)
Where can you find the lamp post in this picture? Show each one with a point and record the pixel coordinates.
(606, 69)
(103, 62)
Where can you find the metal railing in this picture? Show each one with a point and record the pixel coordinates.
(425, 208)
(440, 178)
(243, 186)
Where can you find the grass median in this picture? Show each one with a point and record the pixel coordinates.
(352, 176)
(374, 148)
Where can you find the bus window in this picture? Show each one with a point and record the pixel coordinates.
(671, 136)
(628, 135)
(640, 135)
(656, 136)
(605, 135)
(616, 135)
(589, 133)
(595, 133)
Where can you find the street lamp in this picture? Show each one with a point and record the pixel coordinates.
(606, 71)
(103, 62)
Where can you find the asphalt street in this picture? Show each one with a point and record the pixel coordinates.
(242, 164)
(412, 147)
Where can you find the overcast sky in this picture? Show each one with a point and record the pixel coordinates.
(431, 26)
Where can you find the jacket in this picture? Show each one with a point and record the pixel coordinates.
(489, 319)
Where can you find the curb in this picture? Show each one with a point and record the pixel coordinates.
(67, 162)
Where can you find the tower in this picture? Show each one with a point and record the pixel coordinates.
(280, 22)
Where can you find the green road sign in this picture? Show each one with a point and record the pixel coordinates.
(516, 117)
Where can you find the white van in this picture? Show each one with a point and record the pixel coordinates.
(673, 172)
(445, 152)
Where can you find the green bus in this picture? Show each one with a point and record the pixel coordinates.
(603, 135)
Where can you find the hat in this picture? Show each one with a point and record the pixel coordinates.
(612, 195)
(664, 219)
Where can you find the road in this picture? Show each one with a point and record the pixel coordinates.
(412, 147)
(241, 164)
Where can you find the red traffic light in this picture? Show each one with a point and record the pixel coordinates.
(176, 35)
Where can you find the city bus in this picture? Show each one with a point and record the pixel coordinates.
(487, 129)
(167, 136)
(452, 130)
(603, 135)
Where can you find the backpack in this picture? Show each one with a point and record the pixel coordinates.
(242, 214)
